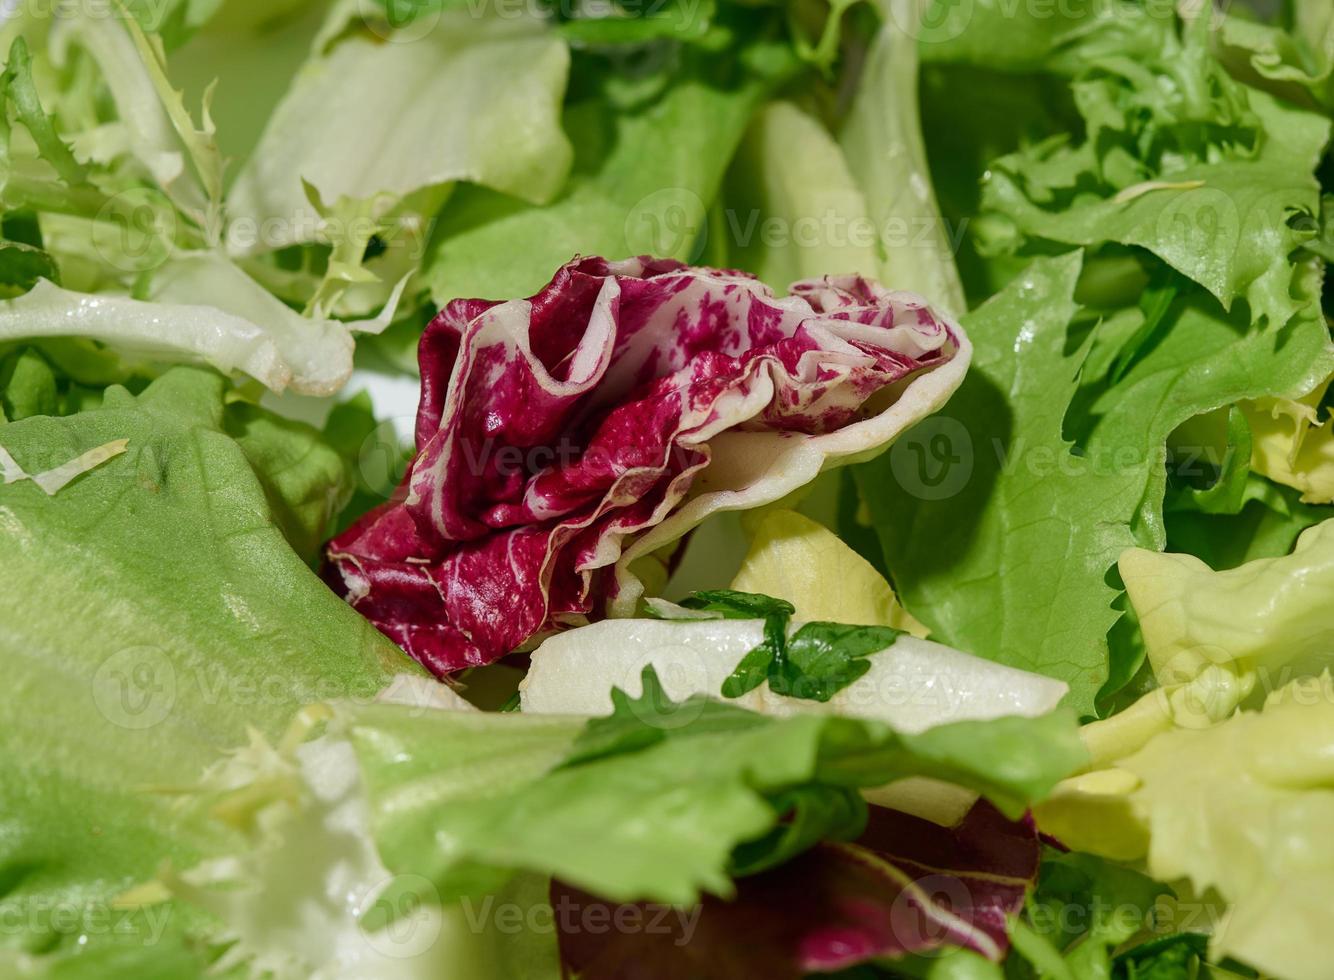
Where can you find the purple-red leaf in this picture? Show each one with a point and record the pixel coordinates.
(554, 432)
(905, 886)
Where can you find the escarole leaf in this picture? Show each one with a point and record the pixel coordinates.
(153, 612)
(377, 119)
(154, 126)
(1214, 177)
(312, 357)
(654, 816)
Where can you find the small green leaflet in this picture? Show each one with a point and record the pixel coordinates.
(738, 605)
(824, 658)
(814, 664)
(751, 672)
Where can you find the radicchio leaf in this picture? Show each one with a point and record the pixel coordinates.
(561, 437)
(905, 886)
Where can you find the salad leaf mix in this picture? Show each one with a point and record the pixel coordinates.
(666, 489)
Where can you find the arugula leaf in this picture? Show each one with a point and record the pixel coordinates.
(762, 662)
(815, 663)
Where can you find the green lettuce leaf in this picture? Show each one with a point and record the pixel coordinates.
(650, 804)
(380, 119)
(980, 551)
(882, 140)
(1033, 521)
(1265, 525)
(154, 613)
(793, 208)
(1300, 51)
(646, 170)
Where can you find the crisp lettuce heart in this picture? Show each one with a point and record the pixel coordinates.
(1268, 616)
(1242, 808)
(561, 438)
(790, 169)
(1293, 445)
(882, 142)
